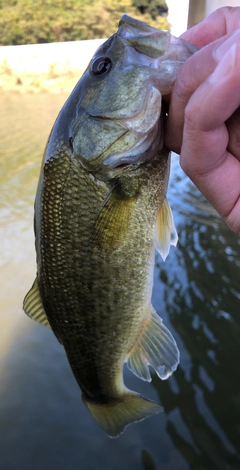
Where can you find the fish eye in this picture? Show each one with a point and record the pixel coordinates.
(101, 65)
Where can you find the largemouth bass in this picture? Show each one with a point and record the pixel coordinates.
(100, 212)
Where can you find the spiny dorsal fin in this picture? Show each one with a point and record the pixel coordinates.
(154, 346)
(112, 221)
(166, 234)
(33, 307)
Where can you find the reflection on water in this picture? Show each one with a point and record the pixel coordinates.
(43, 423)
(200, 288)
(147, 461)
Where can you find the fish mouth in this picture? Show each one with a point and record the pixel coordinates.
(154, 43)
(144, 38)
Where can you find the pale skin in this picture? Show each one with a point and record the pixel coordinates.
(203, 123)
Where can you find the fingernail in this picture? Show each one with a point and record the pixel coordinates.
(221, 50)
(225, 66)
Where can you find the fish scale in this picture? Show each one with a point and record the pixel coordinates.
(58, 220)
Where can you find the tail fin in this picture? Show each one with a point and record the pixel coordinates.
(118, 413)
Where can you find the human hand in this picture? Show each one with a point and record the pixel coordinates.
(203, 123)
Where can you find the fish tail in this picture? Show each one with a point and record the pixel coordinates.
(113, 416)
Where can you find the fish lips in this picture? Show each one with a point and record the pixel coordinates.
(144, 38)
(154, 43)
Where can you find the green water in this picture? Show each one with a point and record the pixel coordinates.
(43, 422)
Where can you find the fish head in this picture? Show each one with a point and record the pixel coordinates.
(114, 112)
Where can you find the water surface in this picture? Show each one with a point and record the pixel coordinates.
(43, 422)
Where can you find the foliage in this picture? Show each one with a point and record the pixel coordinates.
(153, 7)
(39, 21)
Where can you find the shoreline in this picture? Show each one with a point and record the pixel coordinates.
(48, 68)
(27, 83)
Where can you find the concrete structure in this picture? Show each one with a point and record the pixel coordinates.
(72, 56)
(45, 67)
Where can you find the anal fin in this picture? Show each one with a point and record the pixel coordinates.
(154, 346)
(33, 307)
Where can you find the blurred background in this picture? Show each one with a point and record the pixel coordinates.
(43, 422)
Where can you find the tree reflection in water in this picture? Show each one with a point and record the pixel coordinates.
(147, 460)
(200, 290)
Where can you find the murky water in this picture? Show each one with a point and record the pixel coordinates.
(43, 422)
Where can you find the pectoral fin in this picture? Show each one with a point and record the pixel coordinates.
(154, 346)
(166, 234)
(33, 307)
(112, 221)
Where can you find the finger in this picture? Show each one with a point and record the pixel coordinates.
(193, 72)
(191, 75)
(221, 22)
(204, 157)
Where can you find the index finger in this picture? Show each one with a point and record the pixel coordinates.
(193, 73)
(221, 22)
